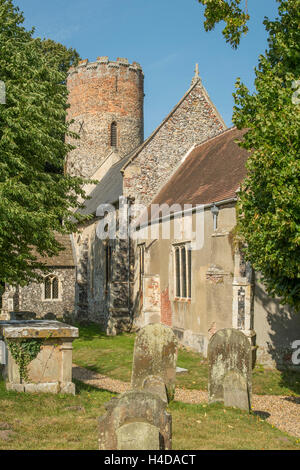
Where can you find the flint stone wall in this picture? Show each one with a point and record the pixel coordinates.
(29, 302)
(193, 120)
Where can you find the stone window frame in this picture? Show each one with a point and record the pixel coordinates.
(184, 286)
(59, 298)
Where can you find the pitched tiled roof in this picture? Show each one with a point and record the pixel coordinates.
(212, 172)
(65, 256)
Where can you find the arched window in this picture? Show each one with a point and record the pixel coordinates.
(113, 134)
(51, 288)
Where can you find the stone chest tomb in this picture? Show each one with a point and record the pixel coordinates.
(51, 370)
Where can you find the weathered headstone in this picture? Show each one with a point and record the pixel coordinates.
(138, 436)
(230, 368)
(155, 355)
(235, 390)
(155, 384)
(137, 420)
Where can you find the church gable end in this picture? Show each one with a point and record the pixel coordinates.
(193, 120)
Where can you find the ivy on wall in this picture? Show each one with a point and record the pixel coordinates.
(23, 352)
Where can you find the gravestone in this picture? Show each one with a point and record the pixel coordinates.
(137, 420)
(155, 384)
(235, 390)
(230, 369)
(155, 356)
(138, 436)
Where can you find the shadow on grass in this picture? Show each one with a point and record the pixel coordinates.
(83, 387)
(88, 331)
(290, 379)
(261, 414)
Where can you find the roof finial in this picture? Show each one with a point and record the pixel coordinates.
(196, 77)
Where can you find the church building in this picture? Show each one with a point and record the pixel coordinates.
(123, 283)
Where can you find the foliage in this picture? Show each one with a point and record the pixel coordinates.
(269, 207)
(24, 351)
(36, 198)
(234, 16)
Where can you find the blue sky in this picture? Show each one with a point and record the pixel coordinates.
(166, 37)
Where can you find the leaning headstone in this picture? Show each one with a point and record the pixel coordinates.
(155, 354)
(230, 369)
(137, 420)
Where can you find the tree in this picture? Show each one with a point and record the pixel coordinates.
(36, 198)
(269, 203)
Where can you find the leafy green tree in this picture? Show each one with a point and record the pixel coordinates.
(269, 205)
(36, 198)
(231, 13)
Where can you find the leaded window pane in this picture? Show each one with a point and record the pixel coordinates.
(55, 288)
(47, 288)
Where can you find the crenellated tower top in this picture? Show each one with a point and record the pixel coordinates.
(107, 105)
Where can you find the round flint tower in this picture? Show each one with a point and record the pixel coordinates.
(107, 105)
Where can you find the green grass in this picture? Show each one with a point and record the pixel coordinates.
(51, 422)
(212, 427)
(108, 355)
(112, 356)
(61, 422)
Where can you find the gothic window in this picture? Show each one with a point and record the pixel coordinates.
(183, 271)
(51, 288)
(113, 134)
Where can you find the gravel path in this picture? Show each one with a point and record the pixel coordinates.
(282, 412)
